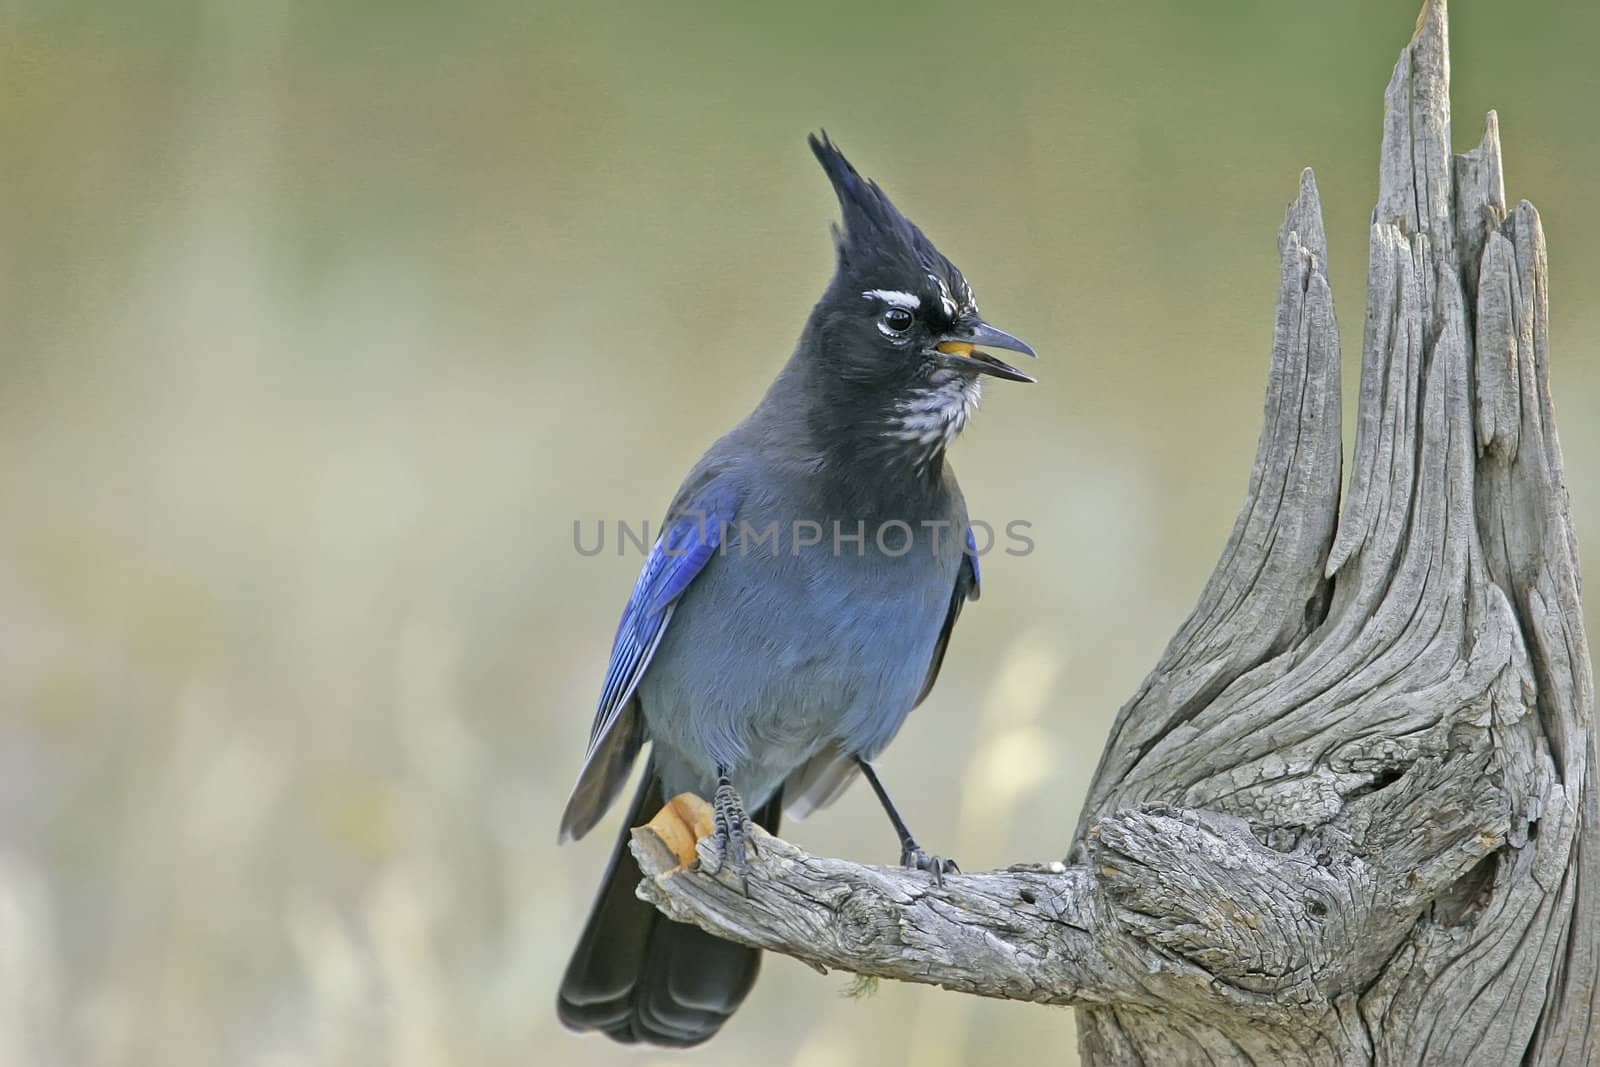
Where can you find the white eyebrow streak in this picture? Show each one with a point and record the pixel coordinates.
(894, 298)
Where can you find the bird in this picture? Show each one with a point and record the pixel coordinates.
(795, 608)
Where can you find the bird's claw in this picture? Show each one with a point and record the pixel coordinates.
(732, 833)
(913, 858)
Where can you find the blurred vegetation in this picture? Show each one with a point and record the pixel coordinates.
(322, 323)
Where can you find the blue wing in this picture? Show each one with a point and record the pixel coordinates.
(680, 553)
(972, 561)
(967, 582)
(687, 543)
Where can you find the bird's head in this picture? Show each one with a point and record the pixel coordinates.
(898, 327)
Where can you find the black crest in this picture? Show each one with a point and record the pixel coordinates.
(878, 241)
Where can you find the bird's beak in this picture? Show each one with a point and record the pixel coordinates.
(962, 343)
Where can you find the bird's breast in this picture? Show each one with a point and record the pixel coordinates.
(771, 653)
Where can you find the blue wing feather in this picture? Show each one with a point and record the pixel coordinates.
(972, 559)
(679, 555)
(689, 545)
(688, 541)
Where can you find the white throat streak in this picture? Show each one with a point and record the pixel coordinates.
(929, 419)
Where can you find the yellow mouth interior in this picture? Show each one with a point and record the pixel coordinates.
(956, 348)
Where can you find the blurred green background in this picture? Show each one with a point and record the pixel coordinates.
(322, 322)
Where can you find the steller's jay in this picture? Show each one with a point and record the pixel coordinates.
(795, 608)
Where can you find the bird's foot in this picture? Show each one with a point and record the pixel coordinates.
(913, 858)
(732, 832)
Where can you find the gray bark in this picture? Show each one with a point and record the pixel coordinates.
(1350, 817)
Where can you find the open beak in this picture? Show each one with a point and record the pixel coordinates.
(962, 344)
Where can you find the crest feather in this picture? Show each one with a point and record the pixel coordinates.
(875, 233)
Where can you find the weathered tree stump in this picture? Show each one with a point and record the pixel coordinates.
(1351, 815)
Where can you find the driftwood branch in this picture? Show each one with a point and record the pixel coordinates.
(1351, 815)
(1023, 933)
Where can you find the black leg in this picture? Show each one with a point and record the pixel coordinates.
(733, 829)
(911, 855)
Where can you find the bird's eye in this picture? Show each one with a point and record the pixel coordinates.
(897, 319)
